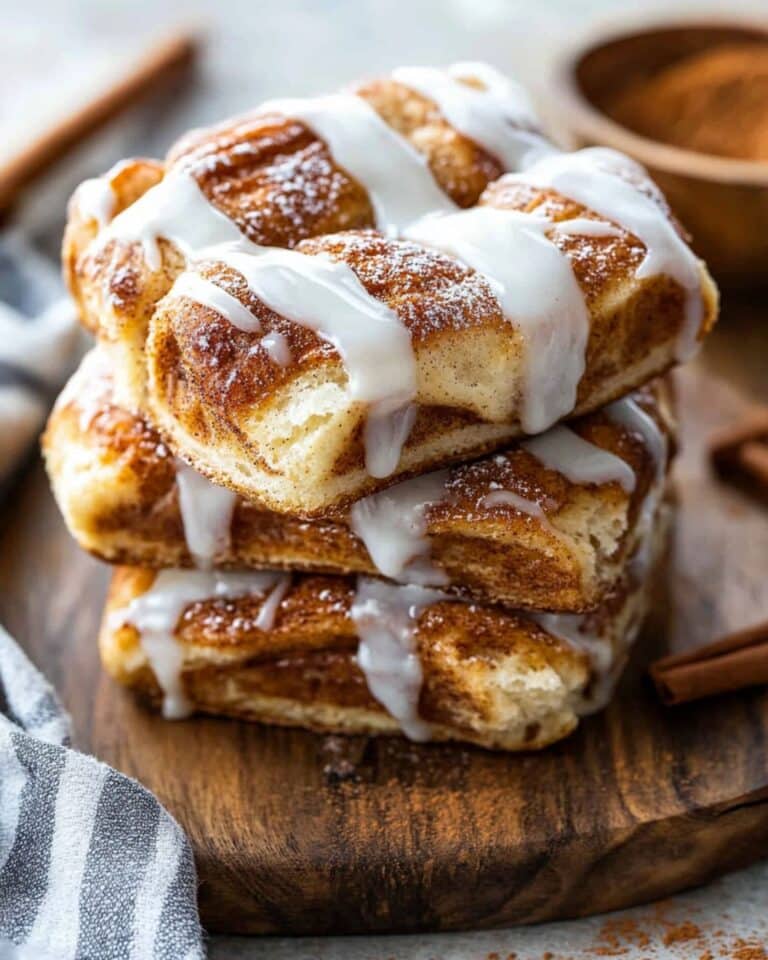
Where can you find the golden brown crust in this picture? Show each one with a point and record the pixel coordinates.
(84, 273)
(115, 482)
(434, 295)
(221, 401)
(308, 655)
(461, 167)
(254, 169)
(599, 263)
(244, 164)
(219, 398)
(491, 677)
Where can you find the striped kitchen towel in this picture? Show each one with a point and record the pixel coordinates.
(91, 866)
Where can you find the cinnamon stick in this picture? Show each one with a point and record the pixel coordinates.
(158, 65)
(734, 662)
(739, 452)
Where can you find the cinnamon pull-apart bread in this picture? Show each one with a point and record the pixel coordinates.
(297, 358)
(378, 156)
(545, 524)
(367, 656)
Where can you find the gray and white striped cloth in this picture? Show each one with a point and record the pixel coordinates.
(91, 866)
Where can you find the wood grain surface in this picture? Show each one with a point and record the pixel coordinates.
(300, 833)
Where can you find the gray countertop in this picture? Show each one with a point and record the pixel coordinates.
(55, 52)
(726, 920)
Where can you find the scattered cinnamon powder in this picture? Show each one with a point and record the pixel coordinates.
(749, 950)
(659, 931)
(713, 102)
(616, 935)
(681, 933)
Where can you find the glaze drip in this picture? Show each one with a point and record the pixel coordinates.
(326, 296)
(314, 291)
(277, 347)
(206, 514)
(610, 184)
(578, 460)
(386, 617)
(538, 293)
(96, 200)
(395, 175)
(155, 614)
(177, 210)
(498, 116)
(508, 498)
(577, 631)
(392, 525)
(631, 415)
(209, 294)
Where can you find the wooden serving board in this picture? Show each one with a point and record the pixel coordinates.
(298, 833)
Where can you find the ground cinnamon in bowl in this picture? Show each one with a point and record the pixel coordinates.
(714, 102)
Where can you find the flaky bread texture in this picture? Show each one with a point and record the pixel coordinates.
(491, 677)
(115, 482)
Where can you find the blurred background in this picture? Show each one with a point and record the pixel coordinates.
(55, 55)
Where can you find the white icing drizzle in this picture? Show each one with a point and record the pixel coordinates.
(208, 294)
(276, 345)
(537, 291)
(395, 174)
(327, 297)
(631, 415)
(573, 629)
(533, 279)
(579, 460)
(156, 613)
(601, 179)
(266, 617)
(499, 117)
(387, 429)
(178, 210)
(314, 291)
(392, 525)
(570, 627)
(206, 514)
(385, 617)
(96, 200)
(508, 498)
(585, 227)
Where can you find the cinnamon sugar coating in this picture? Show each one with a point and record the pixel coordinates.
(490, 677)
(115, 482)
(291, 436)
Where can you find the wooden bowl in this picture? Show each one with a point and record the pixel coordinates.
(722, 202)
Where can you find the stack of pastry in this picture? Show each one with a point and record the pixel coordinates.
(374, 426)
